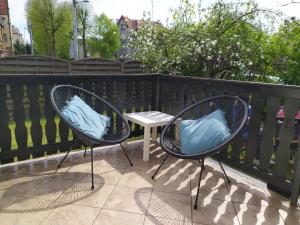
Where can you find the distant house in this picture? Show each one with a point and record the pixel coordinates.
(17, 36)
(125, 24)
(6, 37)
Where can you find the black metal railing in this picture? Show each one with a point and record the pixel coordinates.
(29, 128)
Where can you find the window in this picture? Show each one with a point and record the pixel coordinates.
(123, 27)
(4, 37)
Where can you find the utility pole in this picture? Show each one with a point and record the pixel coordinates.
(24, 40)
(74, 43)
(152, 10)
(199, 9)
(31, 39)
(9, 30)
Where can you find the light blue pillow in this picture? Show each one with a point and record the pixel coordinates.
(202, 134)
(83, 117)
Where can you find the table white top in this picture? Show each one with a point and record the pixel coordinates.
(149, 118)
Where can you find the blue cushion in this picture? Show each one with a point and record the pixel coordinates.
(200, 135)
(83, 117)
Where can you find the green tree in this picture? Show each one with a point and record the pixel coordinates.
(105, 37)
(283, 52)
(51, 26)
(20, 48)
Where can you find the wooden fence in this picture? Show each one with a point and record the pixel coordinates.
(50, 65)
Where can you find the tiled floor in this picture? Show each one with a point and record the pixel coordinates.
(34, 193)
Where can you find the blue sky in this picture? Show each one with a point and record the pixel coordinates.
(135, 8)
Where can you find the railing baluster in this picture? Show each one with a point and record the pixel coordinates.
(5, 134)
(254, 126)
(17, 94)
(267, 145)
(50, 114)
(35, 116)
(283, 153)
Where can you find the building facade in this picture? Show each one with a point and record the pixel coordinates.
(125, 24)
(17, 36)
(6, 36)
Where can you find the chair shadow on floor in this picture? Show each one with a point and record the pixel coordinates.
(46, 192)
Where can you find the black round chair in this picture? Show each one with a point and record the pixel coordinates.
(235, 111)
(118, 130)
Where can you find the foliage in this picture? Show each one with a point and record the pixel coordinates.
(20, 48)
(231, 40)
(51, 26)
(105, 38)
(284, 52)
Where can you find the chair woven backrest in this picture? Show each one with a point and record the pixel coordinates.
(118, 130)
(235, 111)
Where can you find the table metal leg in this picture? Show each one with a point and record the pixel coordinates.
(154, 134)
(146, 143)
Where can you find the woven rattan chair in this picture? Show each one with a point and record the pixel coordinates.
(118, 131)
(235, 111)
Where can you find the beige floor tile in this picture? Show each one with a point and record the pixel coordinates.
(102, 174)
(255, 214)
(134, 200)
(136, 179)
(72, 215)
(28, 218)
(148, 167)
(178, 182)
(7, 200)
(212, 185)
(248, 194)
(19, 185)
(50, 188)
(151, 220)
(171, 206)
(81, 194)
(213, 211)
(290, 216)
(116, 158)
(25, 205)
(174, 165)
(277, 200)
(110, 217)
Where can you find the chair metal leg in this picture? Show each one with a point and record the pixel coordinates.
(164, 160)
(199, 181)
(92, 168)
(131, 164)
(224, 172)
(61, 162)
(84, 154)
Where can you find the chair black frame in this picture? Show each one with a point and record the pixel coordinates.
(62, 93)
(171, 146)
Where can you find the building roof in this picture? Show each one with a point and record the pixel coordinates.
(15, 30)
(133, 23)
(4, 7)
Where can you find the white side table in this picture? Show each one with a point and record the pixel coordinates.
(150, 119)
